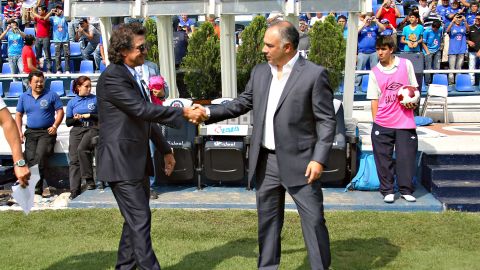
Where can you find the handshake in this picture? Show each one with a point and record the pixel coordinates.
(195, 114)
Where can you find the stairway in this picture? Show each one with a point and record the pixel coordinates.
(454, 180)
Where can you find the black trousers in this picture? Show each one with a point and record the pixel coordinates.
(135, 248)
(38, 147)
(80, 152)
(405, 142)
(270, 197)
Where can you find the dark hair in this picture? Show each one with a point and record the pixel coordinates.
(383, 41)
(29, 39)
(122, 39)
(437, 24)
(414, 14)
(78, 82)
(288, 32)
(342, 17)
(42, 7)
(35, 73)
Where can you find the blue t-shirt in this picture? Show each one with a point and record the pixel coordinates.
(449, 11)
(432, 39)
(458, 39)
(41, 111)
(442, 11)
(60, 28)
(367, 38)
(471, 18)
(15, 44)
(412, 35)
(82, 105)
(387, 32)
(345, 33)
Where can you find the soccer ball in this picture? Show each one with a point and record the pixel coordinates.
(408, 94)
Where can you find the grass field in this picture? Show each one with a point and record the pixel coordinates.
(189, 240)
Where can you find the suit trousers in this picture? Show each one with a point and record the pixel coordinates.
(270, 197)
(80, 152)
(135, 248)
(38, 147)
(405, 142)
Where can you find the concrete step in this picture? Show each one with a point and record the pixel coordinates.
(461, 204)
(454, 172)
(451, 159)
(455, 188)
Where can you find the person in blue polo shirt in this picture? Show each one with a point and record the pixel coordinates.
(82, 115)
(44, 114)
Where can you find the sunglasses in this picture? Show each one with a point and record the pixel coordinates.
(141, 48)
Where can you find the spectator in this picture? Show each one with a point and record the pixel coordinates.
(412, 34)
(367, 35)
(26, 11)
(393, 124)
(88, 36)
(99, 54)
(42, 30)
(432, 39)
(458, 44)
(28, 58)
(452, 11)
(60, 39)
(44, 114)
(186, 24)
(180, 44)
(472, 13)
(342, 20)
(52, 4)
(15, 45)
(423, 10)
(11, 12)
(83, 118)
(389, 11)
(389, 30)
(304, 42)
(442, 10)
(216, 27)
(474, 46)
(432, 15)
(318, 17)
(406, 20)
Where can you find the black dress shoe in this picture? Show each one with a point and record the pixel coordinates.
(73, 194)
(153, 194)
(91, 184)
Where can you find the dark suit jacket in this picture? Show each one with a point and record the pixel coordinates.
(304, 121)
(124, 121)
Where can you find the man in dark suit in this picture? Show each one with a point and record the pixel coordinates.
(125, 113)
(294, 126)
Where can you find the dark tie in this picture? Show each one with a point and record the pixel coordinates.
(145, 91)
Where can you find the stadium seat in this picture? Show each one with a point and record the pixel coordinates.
(71, 93)
(6, 69)
(29, 31)
(72, 66)
(86, 66)
(4, 50)
(424, 85)
(102, 66)
(57, 87)
(75, 50)
(364, 83)
(16, 89)
(2, 94)
(183, 142)
(52, 50)
(463, 83)
(441, 79)
(437, 95)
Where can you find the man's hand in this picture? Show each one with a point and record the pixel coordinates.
(23, 175)
(169, 160)
(313, 172)
(52, 130)
(411, 105)
(195, 114)
(470, 43)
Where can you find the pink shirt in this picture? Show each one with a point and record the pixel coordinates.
(390, 113)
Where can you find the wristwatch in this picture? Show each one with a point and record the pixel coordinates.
(20, 163)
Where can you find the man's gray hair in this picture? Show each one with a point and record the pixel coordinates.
(288, 32)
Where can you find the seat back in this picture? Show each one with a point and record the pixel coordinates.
(71, 65)
(75, 50)
(437, 90)
(16, 89)
(464, 83)
(364, 83)
(182, 141)
(57, 87)
(86, 66)
(71, 93)
(2, 94)
(102, 66)
(29, 31)
(6, 69)
(440, 79)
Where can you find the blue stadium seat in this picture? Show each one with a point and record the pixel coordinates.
(57, 87)
(71, 93)
(52, 50)
(463, 83)
(424, 85)
(1, 90)
(4, 50)
(364, 83)
(86, 66)
(102, 66)
(400, 9)
(75, 49)
(72, 66)
(16, 89)
(29, 31)
(440, 79)
(6, 69)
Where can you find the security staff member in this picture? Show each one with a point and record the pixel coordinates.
(44, 114)
(82, 115)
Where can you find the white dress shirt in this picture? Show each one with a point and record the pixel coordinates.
(276, 89)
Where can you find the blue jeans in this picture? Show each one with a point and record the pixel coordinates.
(16, 64)
(362, 59)
(432, 61)
(87, 50)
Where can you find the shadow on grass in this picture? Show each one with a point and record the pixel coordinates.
(356, 253)
(93, 260)
(209, 259)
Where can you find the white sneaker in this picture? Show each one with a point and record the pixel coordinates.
(409, 198)
(389, 198)
(59, 72)
(67, 72)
